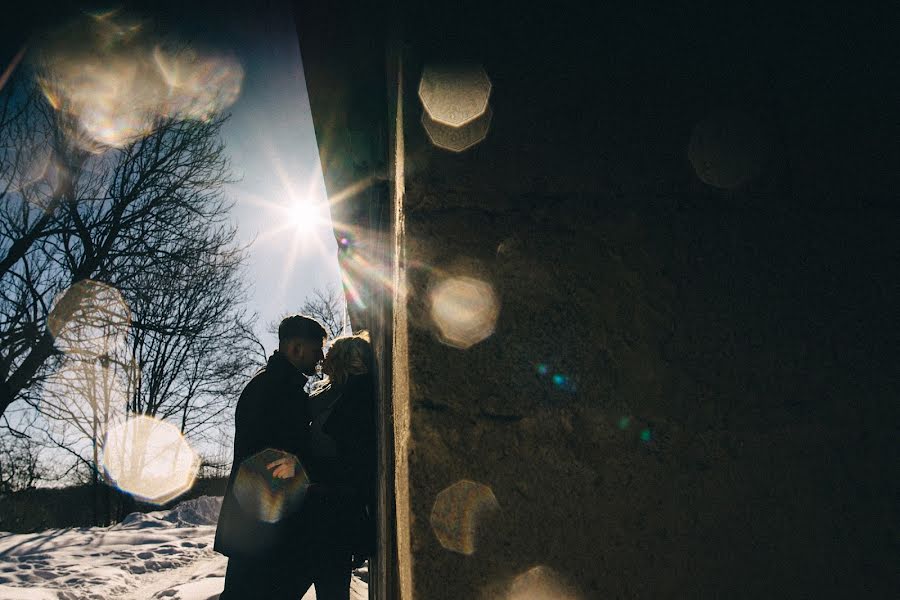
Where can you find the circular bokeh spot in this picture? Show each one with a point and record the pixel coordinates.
(540, 583)
(90, 319)
(264, 496)
(464, 310)
(456, 514)
(149, 459)
(564, 383)
(454, 95)
(727, 149)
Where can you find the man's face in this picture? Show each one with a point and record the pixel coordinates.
(304, 354)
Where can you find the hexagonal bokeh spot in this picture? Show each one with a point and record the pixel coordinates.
(89, 319)
(540, 583)
(149, 459)
(457, 512)
(464, 311)
(728, 149)
(454, 95)
(265, 496)
(457, 139)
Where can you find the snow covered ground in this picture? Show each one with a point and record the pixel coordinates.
(165, 554)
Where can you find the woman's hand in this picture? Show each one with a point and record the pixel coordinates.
(284, 467)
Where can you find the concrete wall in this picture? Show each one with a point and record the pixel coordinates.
(724, 419)
(685, 214)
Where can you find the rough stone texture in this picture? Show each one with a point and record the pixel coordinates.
(725, 419)
(745, 333)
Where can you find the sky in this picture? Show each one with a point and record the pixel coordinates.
(272, 145)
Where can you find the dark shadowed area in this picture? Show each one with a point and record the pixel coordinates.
(687, 217)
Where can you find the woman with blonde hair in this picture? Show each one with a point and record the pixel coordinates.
(340, 406)
(341, 457)
(349, 355)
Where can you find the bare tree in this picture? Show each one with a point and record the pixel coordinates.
(327, 306)
(192, 345)
(20, 467)
(153, 208)
(150, 221)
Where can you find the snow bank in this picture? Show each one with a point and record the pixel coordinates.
(190, 513)
(199, 511)
(164, 555)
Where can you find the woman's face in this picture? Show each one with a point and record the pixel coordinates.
(328, 365)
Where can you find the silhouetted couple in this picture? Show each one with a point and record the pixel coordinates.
(298, 509)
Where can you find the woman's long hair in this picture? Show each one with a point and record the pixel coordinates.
(349, 355)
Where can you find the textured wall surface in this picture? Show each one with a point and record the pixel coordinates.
(724, 420)
(687, 218)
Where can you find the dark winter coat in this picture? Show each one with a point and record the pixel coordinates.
(342, 458)
(271, 413)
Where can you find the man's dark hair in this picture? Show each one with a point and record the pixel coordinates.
(302, 327)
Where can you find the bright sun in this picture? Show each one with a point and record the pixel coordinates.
(304, 214)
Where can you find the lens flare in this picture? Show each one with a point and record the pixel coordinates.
(306, 214)
(149, 459)
(727, 149)
(90, 319)
(111, 99)
(465, 311)
(197, 87)
(364, 273)
(457, 513)
(43, 177)
(114, 85)
(264, 496)
(454, 95)
(11, 67)
(352, 291)
(564, 383)
(457, 139)
(540, 583)
(84, 399)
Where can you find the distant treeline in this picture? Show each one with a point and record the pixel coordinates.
(38, 509)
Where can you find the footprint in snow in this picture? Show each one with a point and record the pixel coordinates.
(45, 574)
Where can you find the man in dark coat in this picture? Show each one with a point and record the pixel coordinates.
(271, 430)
